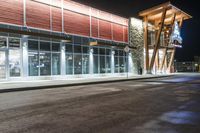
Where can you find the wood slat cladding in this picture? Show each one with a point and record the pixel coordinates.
(118, 32)
(95, 27)
(126, 34)
(56, 19)
(105, 30)
(47, 14)
(11, 11)
(76, 7)
(76, 23)
(37, 15)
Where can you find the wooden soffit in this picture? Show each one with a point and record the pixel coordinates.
(154, 14)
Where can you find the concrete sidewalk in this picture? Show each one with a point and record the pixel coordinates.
(10, 86)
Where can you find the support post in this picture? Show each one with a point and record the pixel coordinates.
(166, 49)
(158, 39)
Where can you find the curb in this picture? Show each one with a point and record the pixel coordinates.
(76, 84)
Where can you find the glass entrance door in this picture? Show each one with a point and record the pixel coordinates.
(2, 65)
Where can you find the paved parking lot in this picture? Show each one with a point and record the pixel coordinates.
(164, 105)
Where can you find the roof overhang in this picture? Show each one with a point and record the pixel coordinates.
(155, 13)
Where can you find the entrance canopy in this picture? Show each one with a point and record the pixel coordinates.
(155, 13)
(163, 22)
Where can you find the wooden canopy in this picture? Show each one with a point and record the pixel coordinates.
(161, 18)
(155, 13)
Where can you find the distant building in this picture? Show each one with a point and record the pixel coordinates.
(188, 66)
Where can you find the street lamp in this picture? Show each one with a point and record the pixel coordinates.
(127, 50)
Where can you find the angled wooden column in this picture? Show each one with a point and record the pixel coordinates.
(174, 49)
(146, 47)
(157, 45)
(165, 51)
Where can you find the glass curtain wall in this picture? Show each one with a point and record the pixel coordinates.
(95, 60)
(44, 58)
(14, 57)
(77, 56)
(120, 62)
(3, 45)
(102, 60)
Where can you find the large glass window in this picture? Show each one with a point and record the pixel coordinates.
(69, 48)
(56, 47)
(14, 62)
(55, 63)
(108, 64)
(45, 64)
(14, 43)
(77, 49)
(102, 64)
(77, 64)
(69, 64)
(119, 58)
(44, 58)
(3, 42)
(121, 64)
(2, 65)
(96, 64)
(32, 45)
(33, 63)
(45, 46)
(85, 64)
(116, 58)
(14, 57)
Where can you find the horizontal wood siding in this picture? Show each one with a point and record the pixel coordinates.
(38, 15)
(105, 30)
(117, 32)
(56, 19)
(76, 18)
(76, 23)
(94, 27)
(11, 11)
(126, 34)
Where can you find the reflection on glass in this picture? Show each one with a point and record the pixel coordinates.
(77, 49)
(2, 72)
(85, 64)
(45, 64)
(102, 64)
(2, 65)
(55, 64)
(14, 63)
(14, 43)
(108, 64)
(56, 47)
(77, 64)
(121, 64)
(45, 46)
(3, 42)
(68, 48)
(69, 64)
(2, 58)
(33, 63)
(116, 64)
(96, 64)
(32, 45)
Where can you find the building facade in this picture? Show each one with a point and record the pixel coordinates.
(63, 39)
(59, 39)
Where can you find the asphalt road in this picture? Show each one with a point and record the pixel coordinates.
(165, 105)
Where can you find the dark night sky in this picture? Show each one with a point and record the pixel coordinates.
(130, 8)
